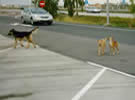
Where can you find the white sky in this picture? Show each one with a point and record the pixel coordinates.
(27, 2)
(98, 1)
(18, 2)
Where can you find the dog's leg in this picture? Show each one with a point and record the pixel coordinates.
(102, 50)
(117, 50)
(34, 45)
(99, 51)
(21, 43)
(15, 43)
(30, 40)
(110, 49)
(28, 44)
(113, 51)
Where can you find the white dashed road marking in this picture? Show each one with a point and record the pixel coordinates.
(17, 24)
(88, 85)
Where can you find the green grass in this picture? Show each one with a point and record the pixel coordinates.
(104, 11)
(98, 20)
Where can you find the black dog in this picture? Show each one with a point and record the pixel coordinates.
(19, 36)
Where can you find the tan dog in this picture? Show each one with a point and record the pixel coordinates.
(101, 46)
(114, 46)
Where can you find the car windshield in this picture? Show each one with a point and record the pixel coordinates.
(38, 11)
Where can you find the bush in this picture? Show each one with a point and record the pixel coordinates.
(123, 22)
(98, 20)
(51, 6)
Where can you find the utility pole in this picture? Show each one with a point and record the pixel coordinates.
(107, 11)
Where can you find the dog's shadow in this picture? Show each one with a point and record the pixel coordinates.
(107, 54)
(42, 24)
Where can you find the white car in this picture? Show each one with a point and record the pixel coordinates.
(93, 9)
(33, 15)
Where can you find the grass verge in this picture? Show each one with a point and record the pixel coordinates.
(97, 20)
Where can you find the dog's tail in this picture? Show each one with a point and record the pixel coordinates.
(34, 30)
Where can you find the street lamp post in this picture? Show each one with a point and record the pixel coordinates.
(107, 11)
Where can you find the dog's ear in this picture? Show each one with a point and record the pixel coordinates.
(12, 30)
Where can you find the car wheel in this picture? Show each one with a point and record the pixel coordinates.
(22, 20)
(31, 21)
(49, 22)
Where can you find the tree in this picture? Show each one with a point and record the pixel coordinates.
(50, 5)
(132, 10)
(71, 4)
(35, 2)
(132, 6)
(79, 3)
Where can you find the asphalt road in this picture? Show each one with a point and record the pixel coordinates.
(79, 41)
(39, 74)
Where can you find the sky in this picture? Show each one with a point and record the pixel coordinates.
(98, 1)
(27, 2)
(22, 2)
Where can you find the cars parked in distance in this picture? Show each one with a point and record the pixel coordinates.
(33, 15)
(93, 9)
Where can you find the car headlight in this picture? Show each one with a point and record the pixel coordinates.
(51, 17)
(35, 16)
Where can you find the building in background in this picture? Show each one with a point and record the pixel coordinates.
(61, 3)
(16, 3)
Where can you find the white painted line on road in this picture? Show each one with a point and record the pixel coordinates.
(15, 24)
(5, 50)
(26, 25)
(88, 85)
(98, 27)
(113, 70)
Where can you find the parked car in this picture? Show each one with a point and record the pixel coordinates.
(33, 15)
(93, 9)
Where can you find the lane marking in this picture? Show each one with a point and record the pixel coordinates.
(14, 24)
(98, 27)
(113, 70)
(88, 85)
(26, 25)
(17, 24)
